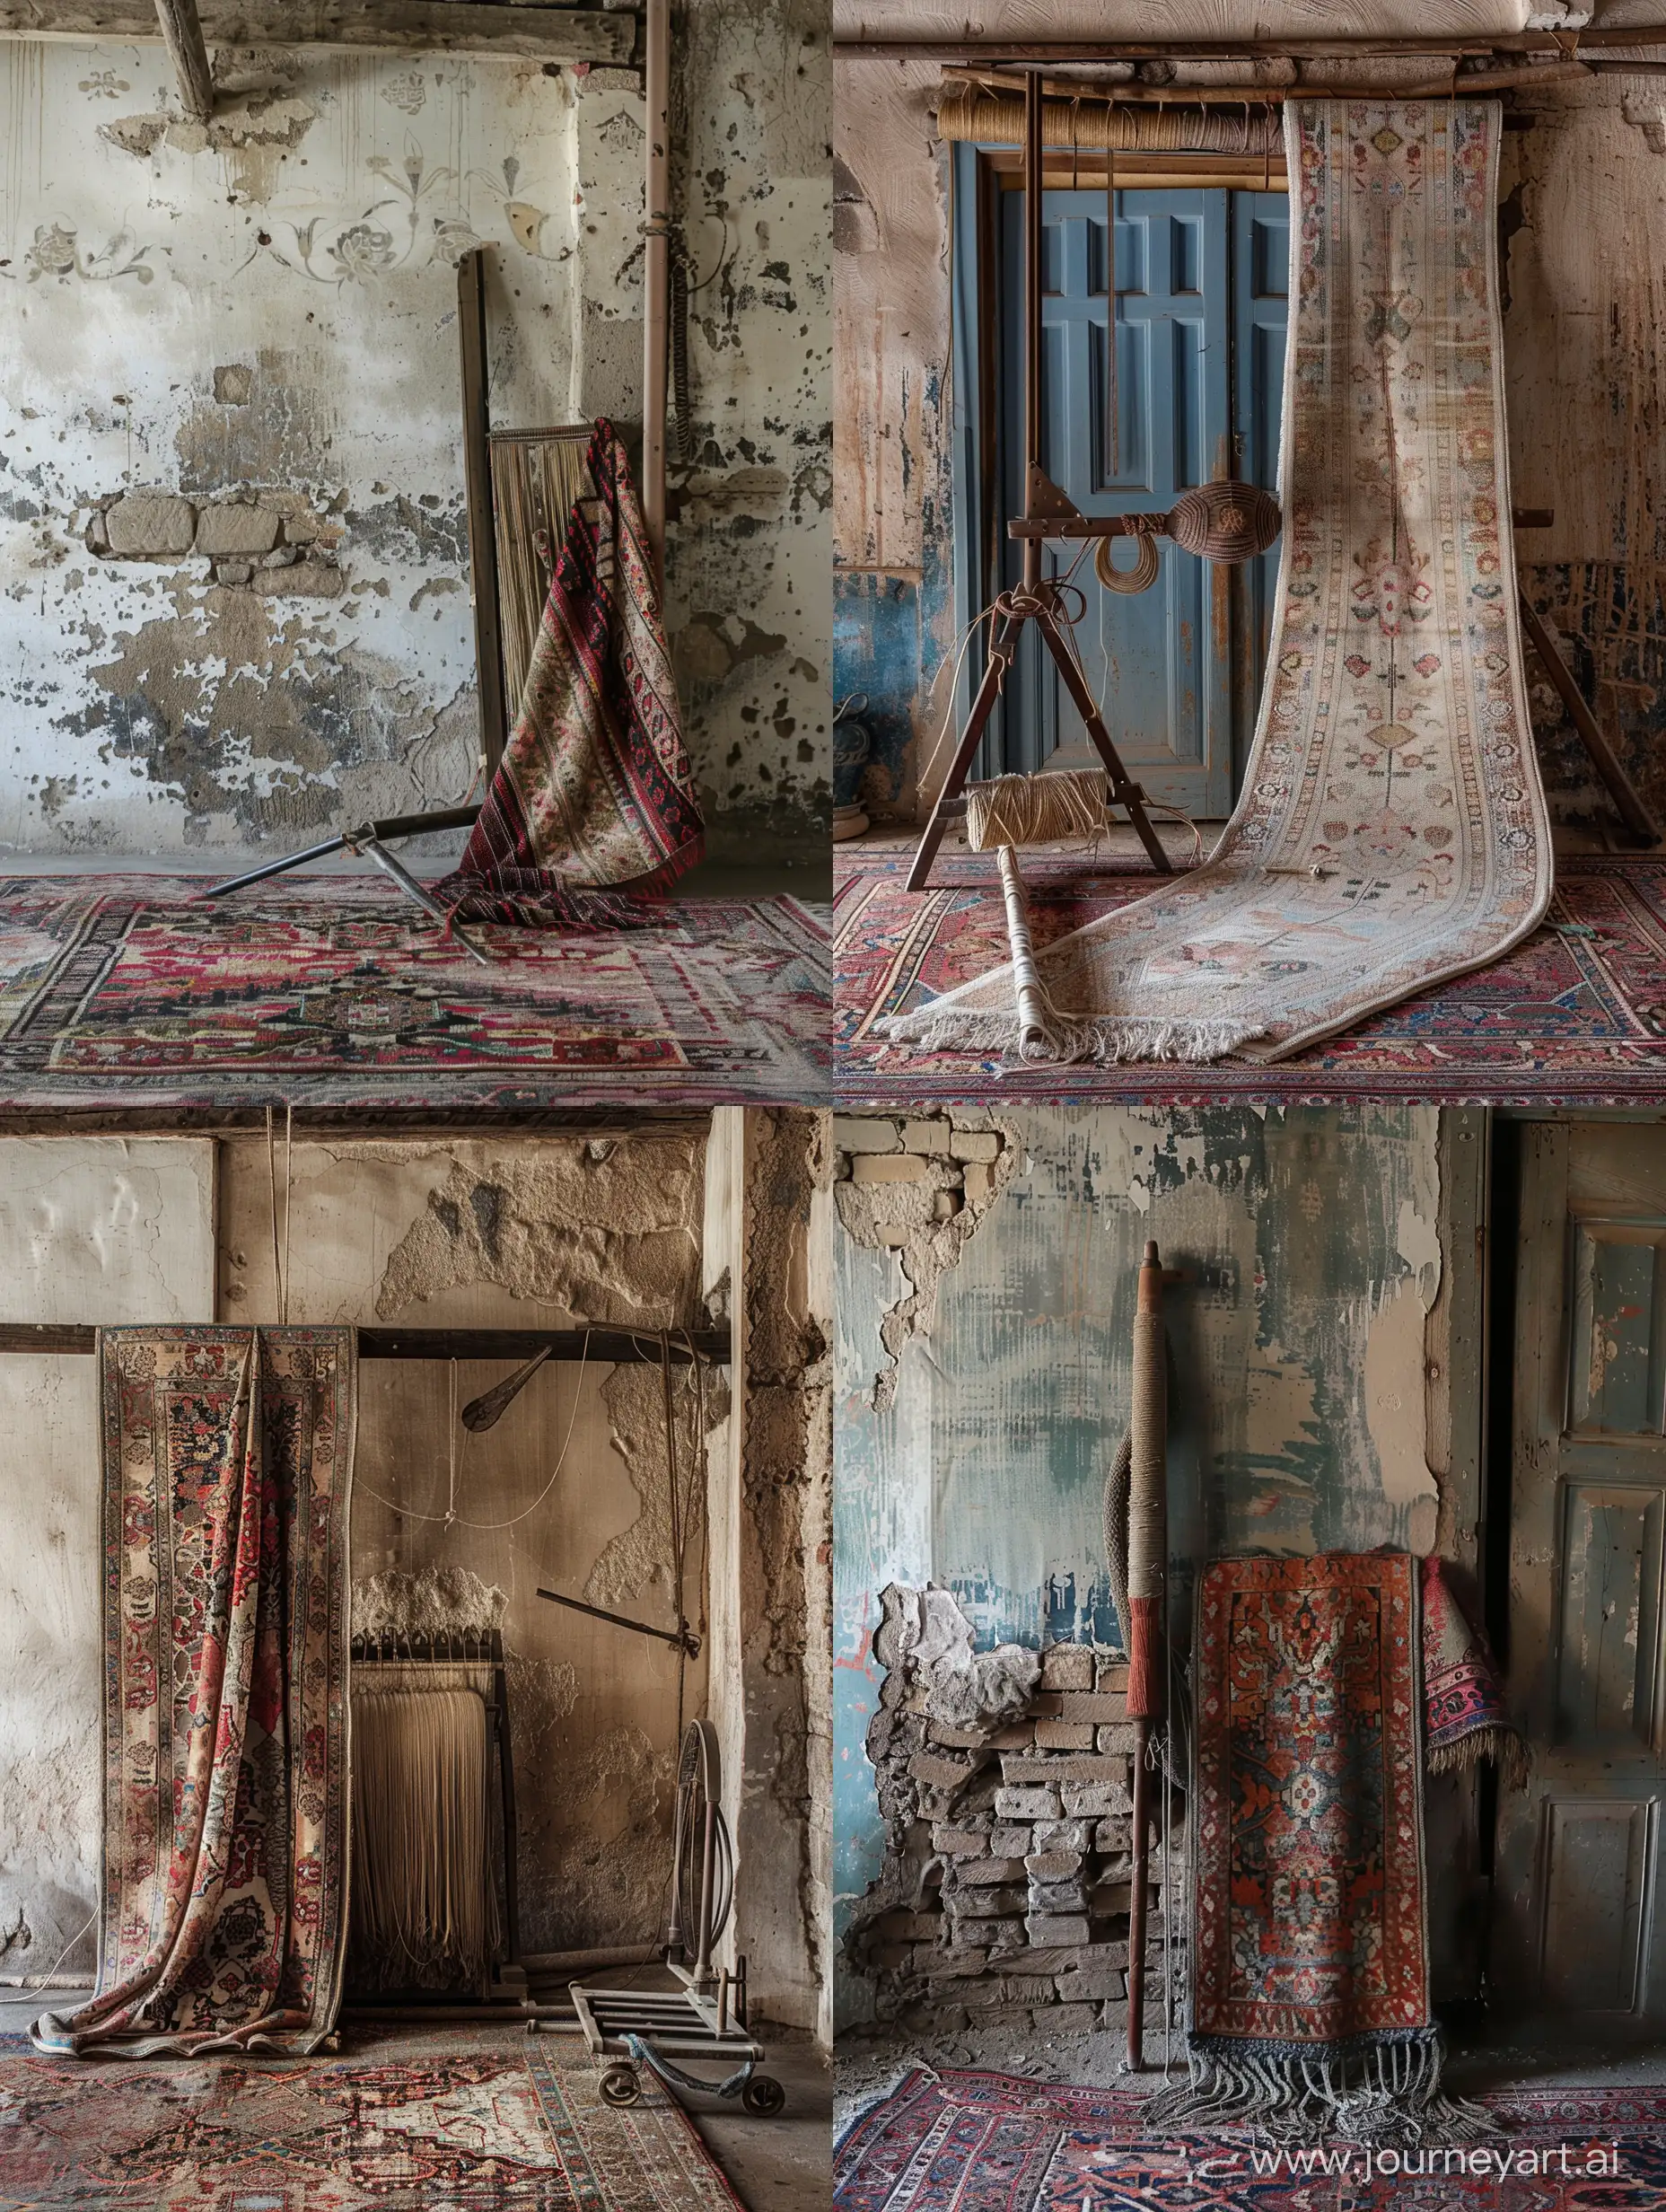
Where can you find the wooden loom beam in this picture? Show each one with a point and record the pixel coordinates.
(610, 1348)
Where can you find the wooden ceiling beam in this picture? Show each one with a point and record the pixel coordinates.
(182, 35)
(564, 35)
(865, 45)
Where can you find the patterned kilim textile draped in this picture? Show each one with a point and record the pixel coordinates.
(594, 788)
(227, 1468)
(1465, 1718)
(1392, 830)
(1309, 1996)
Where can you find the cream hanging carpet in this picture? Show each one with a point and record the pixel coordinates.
(1392, 830)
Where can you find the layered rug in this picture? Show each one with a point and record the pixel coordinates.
(473, 2121)
(981, 2142)
(226, 1484)
(1392, 830)
(1575, 1015)
(133, 990)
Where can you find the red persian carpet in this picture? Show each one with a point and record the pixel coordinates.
(478, 2122)
(131, 990)
(1575, 1015)
(979, 2142)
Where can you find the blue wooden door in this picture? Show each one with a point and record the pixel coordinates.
(1158, 661)
(1200, 321)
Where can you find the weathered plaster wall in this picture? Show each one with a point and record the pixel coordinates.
(1582, 224)
(519, 1233)
(94, 1230)
(1301, 1417)
(257, 319)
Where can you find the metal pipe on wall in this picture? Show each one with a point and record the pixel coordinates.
(655, 277)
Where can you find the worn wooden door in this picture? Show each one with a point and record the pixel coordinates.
(1580, 1925)
(1159, 662)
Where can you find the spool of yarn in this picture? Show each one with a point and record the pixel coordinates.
(1225, 520)
(1037, 810)
(1148, 1461)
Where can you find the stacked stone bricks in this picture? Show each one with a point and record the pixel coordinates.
(1023, 1834)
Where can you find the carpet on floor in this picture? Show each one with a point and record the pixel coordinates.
(986, 2142)
(1575, 1015)
(475, 2122)
(124, 990)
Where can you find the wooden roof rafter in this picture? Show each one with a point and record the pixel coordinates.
(541, 30)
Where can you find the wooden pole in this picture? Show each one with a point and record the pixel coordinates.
(1032, 315)
(488, 636)
(182, 33)
(656, 271)
(1148, 1562)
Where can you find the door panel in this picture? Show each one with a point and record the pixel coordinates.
(1260, 316)
(1578, 1862)
(1159, 662)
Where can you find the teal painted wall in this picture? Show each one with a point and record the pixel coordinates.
(1309, 1240)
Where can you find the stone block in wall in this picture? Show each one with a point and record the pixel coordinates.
(1064, 1836)
(1053, 1865)
(1064, 1927)
(150, 526)
(889, 1167)
(1061, 1767)
(1074, 2019)
(1068, 1667)
(958, 1842)
(306, 579)
(1063, 1735)
(1120, 1738)
(1114, 1836)
(1093, 1705)
(236, 529)
(1027, 1804)
(975, 1904)
(956, 1739)
(977, 1873)
(975, 1144)
(977, 1182)
(1110, 1901)
(939, 1771)
(1068, 1896)
(1110, 1674)
(851, 1134)
(1095, 1800)
(953, 1962)
(1012, 1841)
(934, 1139)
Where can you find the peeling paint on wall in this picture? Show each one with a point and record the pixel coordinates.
(262, 309)
(1308, 1247)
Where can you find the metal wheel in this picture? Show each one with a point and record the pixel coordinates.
(619, 2086)
(703, 1860)
(763, 2096)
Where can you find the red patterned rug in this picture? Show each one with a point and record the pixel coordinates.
(227, 1480)
(979, 2142)
(131, 990)
(1576, 1015)
(478, 2121)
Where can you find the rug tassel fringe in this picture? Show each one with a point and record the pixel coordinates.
(1385, 2091)
(1062, 1039)
(1503, 1746)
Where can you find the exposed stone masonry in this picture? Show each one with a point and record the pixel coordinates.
(274, 543)
(1005, 1782)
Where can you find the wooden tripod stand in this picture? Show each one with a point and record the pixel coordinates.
(1222, 522)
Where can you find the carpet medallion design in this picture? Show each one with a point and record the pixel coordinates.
(1576, 1014)
(1392, 829)
(982, 2142)
(132, 990)
(1308, 1906)
(487, 2123)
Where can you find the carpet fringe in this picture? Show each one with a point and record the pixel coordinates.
(1104, 1039)
(1501, 1745)
(1379, 2089)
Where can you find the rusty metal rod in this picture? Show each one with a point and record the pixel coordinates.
(680, 1639)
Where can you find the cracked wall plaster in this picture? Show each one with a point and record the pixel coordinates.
(1309, 1244)
(103, 1229)
(265, 306)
